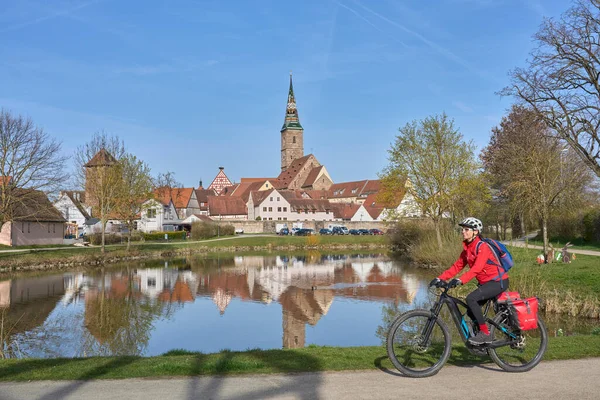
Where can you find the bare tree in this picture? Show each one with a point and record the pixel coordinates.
(533, 168)
(561, 82)
(135, 188)
(30, 163)
(99, 172)
(167, 187)
(440, 165)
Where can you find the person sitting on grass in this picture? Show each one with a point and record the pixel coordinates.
(483, 265)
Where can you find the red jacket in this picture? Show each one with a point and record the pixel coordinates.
(483, 266)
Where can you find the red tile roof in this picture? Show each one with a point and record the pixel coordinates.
(226, 205)
(309, 204)
(287, 176)
(180, 196)
(372, 206)
(312, 176)
(344, 210)
(101, 158)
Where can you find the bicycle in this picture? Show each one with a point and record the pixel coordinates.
(419, 349)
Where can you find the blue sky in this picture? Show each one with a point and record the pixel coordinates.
(194, 85)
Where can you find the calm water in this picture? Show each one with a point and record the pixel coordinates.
(208, 305)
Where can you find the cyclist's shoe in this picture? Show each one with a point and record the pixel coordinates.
(480, 339)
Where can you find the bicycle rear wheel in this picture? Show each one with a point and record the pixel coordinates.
(410, 351)
(525, 353)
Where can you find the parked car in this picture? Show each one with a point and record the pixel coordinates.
(295, 230)
(239, 231)
(325, 231)
(305, 232)
(339, 230)
(284, 231)
(376, 231)
(354, 232)
(364, 231)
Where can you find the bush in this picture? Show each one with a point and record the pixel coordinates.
(172, 235)
(591, 226)
(417, 240)
(109, 238)
(207, 230)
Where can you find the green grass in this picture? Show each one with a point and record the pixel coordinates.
(309, 359)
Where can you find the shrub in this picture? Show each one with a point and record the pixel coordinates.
(591, 226)
(172, 235)
(207, 230)
(109, 238)
(417, 240)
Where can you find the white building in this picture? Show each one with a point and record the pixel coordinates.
(71, 204)
(158, 217)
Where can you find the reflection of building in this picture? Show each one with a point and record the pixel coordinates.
(26, 304)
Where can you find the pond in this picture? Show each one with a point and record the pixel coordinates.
(211, 304)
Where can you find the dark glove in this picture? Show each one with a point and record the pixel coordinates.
(454, 283)
(435, 282)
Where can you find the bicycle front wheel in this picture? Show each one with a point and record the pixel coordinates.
(527, 348)
(418, 343)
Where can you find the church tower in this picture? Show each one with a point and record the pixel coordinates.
(292, 133)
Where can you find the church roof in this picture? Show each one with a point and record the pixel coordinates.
(292, 121)
(286, 177)
(312, 176)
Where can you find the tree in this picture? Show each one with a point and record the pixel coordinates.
(99, 172)
(136, 186)
(30, 162)
(561, 82)
(440, 165)
(532, 167)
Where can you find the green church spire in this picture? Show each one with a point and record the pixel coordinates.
(291, 121)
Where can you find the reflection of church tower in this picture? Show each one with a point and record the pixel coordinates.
(292, 133)
(301, 306)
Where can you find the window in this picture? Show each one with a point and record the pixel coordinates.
(270, 198)
(48, 227)
(278, 218)
(22, 227)
(265, 209)
(270, 219)
(313, 211)
(326, 211)
(278, 209)
(354, 191)
(151, 213)
(284, 209)
(151, 282)
(293, 139)
(29, 227)
(267, 185)
(53, 228)
(306, 211)
(202, 204)
(285, 218)
(270, 208)
(299, 211)
(278, 198)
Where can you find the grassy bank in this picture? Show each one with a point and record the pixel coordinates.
(310, 359)
(45, 259)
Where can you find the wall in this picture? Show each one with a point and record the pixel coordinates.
(30, 233)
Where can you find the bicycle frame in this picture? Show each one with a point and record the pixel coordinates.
(453, 303)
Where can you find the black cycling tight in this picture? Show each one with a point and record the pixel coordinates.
(479, 296)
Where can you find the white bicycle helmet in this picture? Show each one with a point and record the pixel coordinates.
(472, 223)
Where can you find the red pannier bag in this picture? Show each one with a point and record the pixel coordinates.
(524, 313)
(505, 297)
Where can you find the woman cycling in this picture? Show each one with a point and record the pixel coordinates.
(484, 266)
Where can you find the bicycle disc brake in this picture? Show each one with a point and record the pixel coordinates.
(419, 344)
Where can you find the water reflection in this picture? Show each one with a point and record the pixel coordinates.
(207, 304)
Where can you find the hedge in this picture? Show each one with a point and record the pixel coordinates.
(173, 235)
